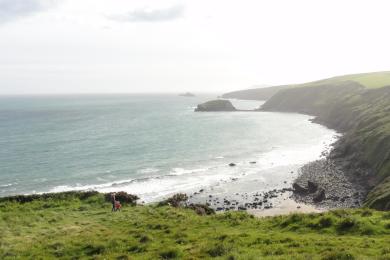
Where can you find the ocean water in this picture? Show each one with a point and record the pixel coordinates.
(149, 145)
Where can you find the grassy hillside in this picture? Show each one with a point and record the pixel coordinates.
(367, 80)
(71, 226)
(255, 94)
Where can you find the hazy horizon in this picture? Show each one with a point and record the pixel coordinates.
(96, 47)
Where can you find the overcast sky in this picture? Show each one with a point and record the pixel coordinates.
(99, 46)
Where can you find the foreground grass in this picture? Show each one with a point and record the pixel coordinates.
(72, 228)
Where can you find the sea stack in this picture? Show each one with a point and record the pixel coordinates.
(187, 94)
(215, 105)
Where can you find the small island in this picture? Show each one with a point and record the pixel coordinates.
(216, 105)
(187, 94)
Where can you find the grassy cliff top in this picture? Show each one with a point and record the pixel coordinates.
(368, 80)
(83, 227)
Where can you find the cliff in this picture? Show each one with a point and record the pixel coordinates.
(359, 107)
(254, 94)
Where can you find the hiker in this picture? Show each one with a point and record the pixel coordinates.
(118, 205)
(113, 200)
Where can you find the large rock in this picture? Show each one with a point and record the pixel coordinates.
(299, 189)
(319, 196)
(312, 186)
(215, 105)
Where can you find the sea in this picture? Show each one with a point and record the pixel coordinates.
(151, 145)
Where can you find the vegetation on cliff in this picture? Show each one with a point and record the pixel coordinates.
(256, 93)
(78, 225)
(359, 106)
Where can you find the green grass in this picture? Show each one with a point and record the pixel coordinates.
(72, 228)
(368, 80)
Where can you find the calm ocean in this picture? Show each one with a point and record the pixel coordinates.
(149, 145)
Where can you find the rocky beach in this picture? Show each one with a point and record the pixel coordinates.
(326, 185)
(274, 196)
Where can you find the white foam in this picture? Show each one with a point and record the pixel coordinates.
(188, 180)
(148, 170)
(7, 185)
(181, 171)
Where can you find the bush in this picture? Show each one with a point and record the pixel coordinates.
(346, 224)
(82, 195)
(123, 197)
(176, 200)
(325, 222)
(170, 253)
(91, 249)
(217, 250)
(202, 209)
(339, 256)
(387, 225)
(366, 213)
(386, 215)
(144, 239)
(367, 229)
(292, 219)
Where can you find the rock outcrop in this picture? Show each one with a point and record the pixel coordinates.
(216, 105)
(187, 94)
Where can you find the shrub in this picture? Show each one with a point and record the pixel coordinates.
(292, 219)
(338, 256)
(82, 195)
(135, 248)
(366, 213)
(346, 224)
(90, 249)
(144, 239)
(386, 215)
(325, 222)
(217, 250)
(169, 253)
(387, 225)
(367, 229)
(176, 200)
(123, 197)
(202, 209)
(340, 213)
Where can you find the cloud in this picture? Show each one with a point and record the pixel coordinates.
(14, 9)
(150, 15)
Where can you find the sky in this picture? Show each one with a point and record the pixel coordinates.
(144, 46)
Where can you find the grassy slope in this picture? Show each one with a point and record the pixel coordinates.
(368, 80)
(73, 228)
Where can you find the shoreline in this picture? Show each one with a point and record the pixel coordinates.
(323, 183)
(268, 192)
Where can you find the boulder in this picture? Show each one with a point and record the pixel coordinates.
(216, 105)
(319, 195)
(299, 189)
(232, 164)
(312, 186)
